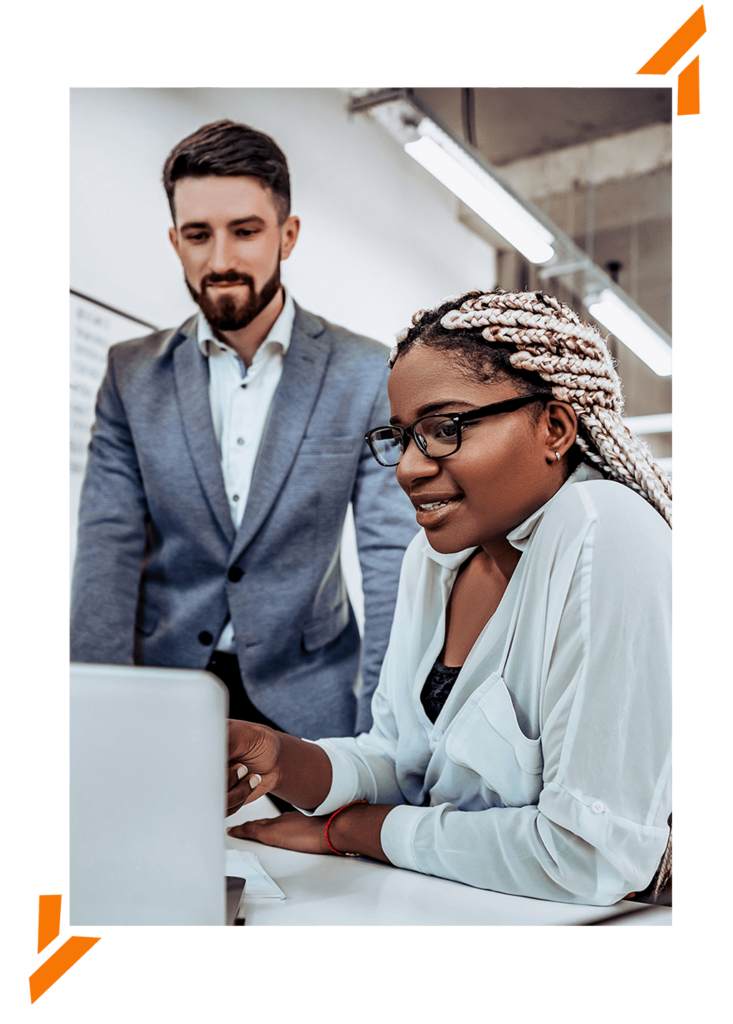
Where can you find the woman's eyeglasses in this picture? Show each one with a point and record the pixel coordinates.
(437, 435)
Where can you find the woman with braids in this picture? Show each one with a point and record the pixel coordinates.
(521, 737)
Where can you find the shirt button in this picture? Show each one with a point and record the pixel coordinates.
(597, 807)
(206, 638)
(235, 497)
(235, 574)
(240, 440)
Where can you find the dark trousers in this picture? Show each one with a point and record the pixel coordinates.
(226, 668)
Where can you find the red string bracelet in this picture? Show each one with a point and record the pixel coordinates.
(328, 841)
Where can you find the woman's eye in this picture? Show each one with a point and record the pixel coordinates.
(446, 431)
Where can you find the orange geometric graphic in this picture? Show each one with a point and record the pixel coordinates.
(49, 919)
(676, 46)
(688, 88)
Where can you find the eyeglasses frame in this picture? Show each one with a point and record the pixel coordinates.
(459, 418)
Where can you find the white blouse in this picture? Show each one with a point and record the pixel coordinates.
(547, 772)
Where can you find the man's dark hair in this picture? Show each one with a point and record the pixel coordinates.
(227, 149)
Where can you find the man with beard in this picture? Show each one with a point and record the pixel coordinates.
(223, 459)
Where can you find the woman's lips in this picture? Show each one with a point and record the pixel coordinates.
(433, 512)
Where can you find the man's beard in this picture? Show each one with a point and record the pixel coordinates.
(225, 313)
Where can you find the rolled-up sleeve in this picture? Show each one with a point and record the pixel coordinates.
(364, 767)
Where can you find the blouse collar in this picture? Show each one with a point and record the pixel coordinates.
(519, 536)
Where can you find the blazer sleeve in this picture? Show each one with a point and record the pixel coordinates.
(111, 537)
(385, 524)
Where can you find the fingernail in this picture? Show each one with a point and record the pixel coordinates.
(252, 782)
(241, 771)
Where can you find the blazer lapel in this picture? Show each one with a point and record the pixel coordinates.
(191, 374)
(303, 369)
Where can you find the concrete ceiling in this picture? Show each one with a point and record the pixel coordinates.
(598, 163)
(510, 124)
(622, 215)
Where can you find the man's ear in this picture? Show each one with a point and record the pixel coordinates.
(173, 236)
(289, 236)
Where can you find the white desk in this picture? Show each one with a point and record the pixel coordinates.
(323, 890)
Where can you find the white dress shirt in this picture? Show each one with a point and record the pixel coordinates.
(547, 772)
(240, 404)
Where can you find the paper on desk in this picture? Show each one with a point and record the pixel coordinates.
(245, 865)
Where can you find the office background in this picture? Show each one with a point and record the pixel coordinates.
(380, 237)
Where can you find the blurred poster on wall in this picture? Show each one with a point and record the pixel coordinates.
(94, 327)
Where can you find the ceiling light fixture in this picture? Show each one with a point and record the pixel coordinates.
(611, 311)
(463, 170)
(458, 171)
(654, 423)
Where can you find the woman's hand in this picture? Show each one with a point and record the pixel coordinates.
(291, 831)
(254, 752)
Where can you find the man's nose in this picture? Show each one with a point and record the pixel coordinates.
(222, 257)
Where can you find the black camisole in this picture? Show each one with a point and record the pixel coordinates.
(441, 677)
(437, 687)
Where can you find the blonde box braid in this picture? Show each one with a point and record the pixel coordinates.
(546, 337)
(552, 341)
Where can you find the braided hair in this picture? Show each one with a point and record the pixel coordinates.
(544, 344)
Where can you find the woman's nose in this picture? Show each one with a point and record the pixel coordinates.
(413, 466)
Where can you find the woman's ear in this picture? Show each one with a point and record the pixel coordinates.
(561, 429)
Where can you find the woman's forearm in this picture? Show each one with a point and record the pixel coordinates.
(357, 829)
(305, 777)
(304, 772)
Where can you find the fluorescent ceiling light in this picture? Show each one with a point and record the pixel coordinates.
(629, 328)
(656, 423)
(452, 165)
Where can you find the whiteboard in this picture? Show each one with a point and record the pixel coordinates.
(94, 327)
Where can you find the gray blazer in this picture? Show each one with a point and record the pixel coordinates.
(159, 563)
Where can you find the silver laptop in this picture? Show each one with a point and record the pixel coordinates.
(148, 782)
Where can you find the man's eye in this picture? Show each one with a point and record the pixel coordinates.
(199, 237)
(245, 232)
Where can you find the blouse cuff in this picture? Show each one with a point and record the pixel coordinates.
(398, 830)
(344, 780)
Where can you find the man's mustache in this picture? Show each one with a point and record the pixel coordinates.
(230, 277)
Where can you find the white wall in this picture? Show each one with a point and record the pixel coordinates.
(379, 237)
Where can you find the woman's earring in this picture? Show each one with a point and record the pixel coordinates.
(557, 456)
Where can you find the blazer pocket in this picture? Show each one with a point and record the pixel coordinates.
(319, 632)
(486, 739)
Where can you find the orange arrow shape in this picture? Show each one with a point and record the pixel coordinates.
(49, 920)
(61, 960)
(58, 964)
(676, 46)
(688, 91)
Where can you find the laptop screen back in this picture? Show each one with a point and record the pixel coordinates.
(148, 756)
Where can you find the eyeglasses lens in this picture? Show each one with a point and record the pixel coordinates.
(386, 444)
(439, 436)
(436, 437)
